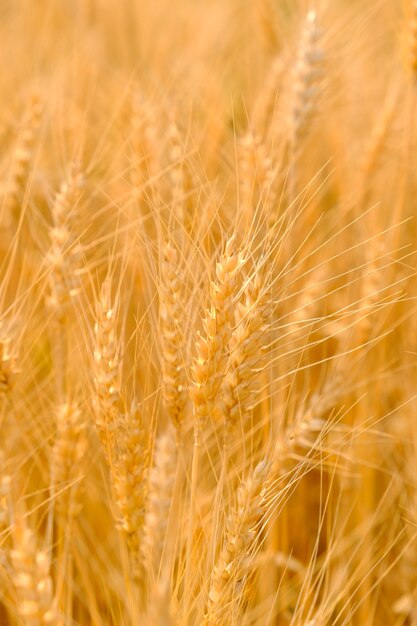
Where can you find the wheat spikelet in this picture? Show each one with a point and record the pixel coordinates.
(307, 77)
(209, 365)
(158, 508)
(172, 338)
(67, 458)
(230, 576)
(32, 579)
(22, 158)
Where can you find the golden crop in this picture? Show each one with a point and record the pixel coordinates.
(208, 335)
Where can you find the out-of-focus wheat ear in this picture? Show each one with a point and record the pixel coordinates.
(256, 181)
(36, 603)
(63, 260)
(247, 355)
(266, 20)
(230, 578)
(5, 494)
(158, 508)
(63, 256)
(267, 100)
(180, 177)
(373, 290)
(129, 482)
(109, 405)
(144, 158)
(307, 303)
(159, 605)
(307, 78)
(67, 460)
(413, 39)
(172, 324)
(21, 160)
(303, 437)
(8, 362)
(210, 362)
(375, 148)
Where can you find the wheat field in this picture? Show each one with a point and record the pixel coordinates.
(208, 335)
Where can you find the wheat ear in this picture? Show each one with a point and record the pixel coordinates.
(67, 459)
(212, 347)
(172, 338)
(230, 577)
(266, 18)
(5, 483)
(8, 363)
(128, 474)
(209, 367)
(256, 178)
(413, 38)
(158, 508)
(247, 355)
(63, 257)
(266, 101)
(159, 609)
(120, 430)
(144, 158)
(22, 159)
(32, 579)
(110, 407)
(307, 77)
(181, 177)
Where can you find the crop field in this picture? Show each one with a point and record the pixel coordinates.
(208, 316)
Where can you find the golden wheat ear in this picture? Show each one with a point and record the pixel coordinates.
(8, 362)
(22, 159)
(209, 364)
(172, 324)
(130, 486)
(307, 78)
(68, 455)
(230, 578)
(159, 501)
(36, 604)
(109, 405)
